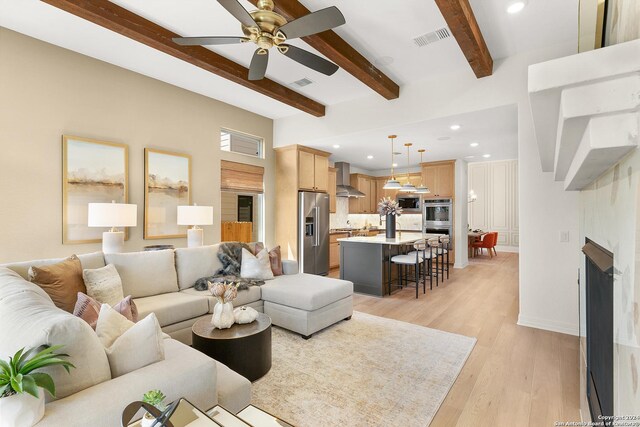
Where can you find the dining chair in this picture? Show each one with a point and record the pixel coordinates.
(488, 242)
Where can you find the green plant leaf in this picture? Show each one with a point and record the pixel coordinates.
(16, 383)
(29, 385)
(49, 361)
(6, 369)
(45, 381)
(3, 388)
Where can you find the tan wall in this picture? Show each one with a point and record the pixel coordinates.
(47, 91)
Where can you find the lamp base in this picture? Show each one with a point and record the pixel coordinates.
(112, 242)
(195, 237)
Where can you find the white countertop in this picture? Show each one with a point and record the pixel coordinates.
(402, 238)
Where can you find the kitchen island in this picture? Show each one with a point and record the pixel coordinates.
(365, 260)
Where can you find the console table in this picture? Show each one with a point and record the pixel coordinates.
(244, 348)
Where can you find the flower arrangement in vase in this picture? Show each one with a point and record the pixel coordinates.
(21, 402)
(391, 210)
(224, 292)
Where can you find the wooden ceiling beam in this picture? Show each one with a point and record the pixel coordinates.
(122, 21)
(465, 29)
(339, 51)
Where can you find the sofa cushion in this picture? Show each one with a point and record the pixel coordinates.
(234, 390)
(103, 284)
(195, 263)
(30, 319)
(88, 309)
(90, 260)
(145, 274)
(172, 308)
(244, 297)
(305, 291)
(61, 281)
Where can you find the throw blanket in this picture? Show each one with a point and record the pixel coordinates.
(230, 255)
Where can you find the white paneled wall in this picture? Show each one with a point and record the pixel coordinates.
(496, 208)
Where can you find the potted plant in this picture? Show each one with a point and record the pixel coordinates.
(391, 210)
(154, 398)
(21, 403)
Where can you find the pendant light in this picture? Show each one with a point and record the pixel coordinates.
(421, 189)
(408, 187)
(392, 183)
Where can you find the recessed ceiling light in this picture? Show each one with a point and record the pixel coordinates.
(395, 165)
(455, 127)
(444, 138)
(369, 157)
(469, 157)
(474, 144)
(336, 146)
(516, 6)
(486, 156)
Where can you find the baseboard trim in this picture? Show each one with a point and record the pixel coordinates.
(548, 325)
(459, 265)
(512, 249)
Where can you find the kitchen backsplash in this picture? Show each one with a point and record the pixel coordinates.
(340, 218)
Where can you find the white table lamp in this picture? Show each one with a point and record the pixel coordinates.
(195, 216)
(112, 215)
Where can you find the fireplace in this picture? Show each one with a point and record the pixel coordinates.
(599, 339)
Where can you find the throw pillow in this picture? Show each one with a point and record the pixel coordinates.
(256, 267)
(104, 284)
(140, 345)
(88, 309)
(275, 258)
(129, 346)
(61, 281)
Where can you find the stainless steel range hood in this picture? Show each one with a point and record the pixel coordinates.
(343, 179)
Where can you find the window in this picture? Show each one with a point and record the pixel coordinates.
(241, 143)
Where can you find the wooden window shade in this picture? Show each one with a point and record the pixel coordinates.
(241, 177)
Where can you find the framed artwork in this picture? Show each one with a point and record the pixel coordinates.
(167, 185)
(92, 172)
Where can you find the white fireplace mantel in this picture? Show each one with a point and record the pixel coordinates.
(586, 111)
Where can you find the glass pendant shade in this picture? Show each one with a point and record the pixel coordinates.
(408, 188)
(421, 189)
(392, 184)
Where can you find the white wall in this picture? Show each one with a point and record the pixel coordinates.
(496, 207)
(548, 297)
(461, 215)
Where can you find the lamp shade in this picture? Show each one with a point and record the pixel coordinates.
(195, 215)
(112, 215)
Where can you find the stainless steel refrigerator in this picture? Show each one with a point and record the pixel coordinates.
(313, 233)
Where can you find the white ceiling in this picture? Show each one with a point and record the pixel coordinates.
(495, 130)
(376, 28)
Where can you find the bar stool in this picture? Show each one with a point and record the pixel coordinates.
(446, 242)
(416, 258)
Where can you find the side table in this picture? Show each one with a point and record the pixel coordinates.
(244, 348)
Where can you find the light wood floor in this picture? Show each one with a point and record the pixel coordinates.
(515, 376)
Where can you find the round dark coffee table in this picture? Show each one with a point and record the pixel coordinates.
(244, 348)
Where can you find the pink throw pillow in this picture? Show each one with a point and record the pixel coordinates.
(275, 258)
(88, 309)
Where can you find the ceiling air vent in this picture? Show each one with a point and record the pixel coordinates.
(432, 37)
(302, 82)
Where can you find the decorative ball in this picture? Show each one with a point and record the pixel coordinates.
(245, 315)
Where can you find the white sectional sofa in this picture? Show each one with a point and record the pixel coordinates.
(160, 282)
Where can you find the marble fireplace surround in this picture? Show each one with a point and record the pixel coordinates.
(586, 115)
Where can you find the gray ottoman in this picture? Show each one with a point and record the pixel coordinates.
(305, 303)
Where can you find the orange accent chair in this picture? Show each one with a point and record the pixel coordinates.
(488, 242)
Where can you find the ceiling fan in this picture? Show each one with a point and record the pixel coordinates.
(268, 29)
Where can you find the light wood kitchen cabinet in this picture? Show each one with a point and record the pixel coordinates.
(334, 249)
(313, 172)
(439, 177)
(368, 203)
(332, 189)
(298, 168)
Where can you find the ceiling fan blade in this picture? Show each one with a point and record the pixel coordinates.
(239, 12)
(309, 59)
(315, 22)
(258, 67)
(207, 41)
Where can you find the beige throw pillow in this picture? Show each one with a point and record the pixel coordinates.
(129, 346)
(256, 267)
(104, 284)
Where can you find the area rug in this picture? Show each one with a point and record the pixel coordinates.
(368, 371)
